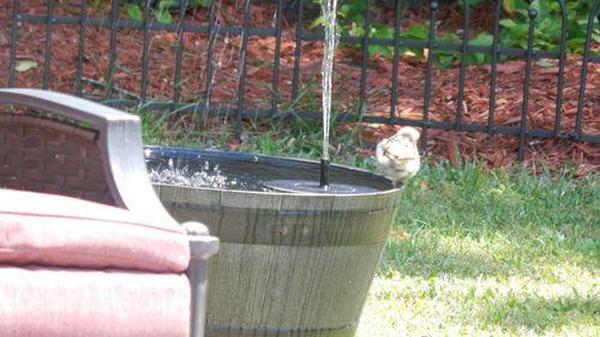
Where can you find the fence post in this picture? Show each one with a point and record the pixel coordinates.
(431, 45)
(523, 132)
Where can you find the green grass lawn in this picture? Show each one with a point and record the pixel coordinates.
(479, 253)
(472, 252)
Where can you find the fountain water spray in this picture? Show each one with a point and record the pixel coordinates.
(329, 15)
(181, 177)
(329, 21)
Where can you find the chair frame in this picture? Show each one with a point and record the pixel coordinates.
(118, 137)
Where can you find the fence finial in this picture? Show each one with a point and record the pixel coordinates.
(533, 13)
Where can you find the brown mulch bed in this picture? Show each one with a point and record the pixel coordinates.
(495, 151)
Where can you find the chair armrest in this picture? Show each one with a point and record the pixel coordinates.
(119, 139)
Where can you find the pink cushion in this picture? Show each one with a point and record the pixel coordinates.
(76, 303)
(46, 229)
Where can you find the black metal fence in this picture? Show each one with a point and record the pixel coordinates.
(115, 22)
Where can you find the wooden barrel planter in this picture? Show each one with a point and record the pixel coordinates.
(289, 264)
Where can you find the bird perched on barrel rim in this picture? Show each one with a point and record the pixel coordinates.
(398, 155)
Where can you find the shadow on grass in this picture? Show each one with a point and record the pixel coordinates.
(426, 259)
(470, 252)
(540, 314)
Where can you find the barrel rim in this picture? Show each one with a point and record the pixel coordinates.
(255, 157)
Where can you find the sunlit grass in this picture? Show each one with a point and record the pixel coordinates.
(502, 253)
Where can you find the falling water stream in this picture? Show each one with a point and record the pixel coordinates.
(329, 14)
(176, 173)
(329, 21)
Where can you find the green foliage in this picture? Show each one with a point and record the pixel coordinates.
(548, 24)
(471, 2)
(351, 22)
(162, 9)
(513, 33)
(134, 12)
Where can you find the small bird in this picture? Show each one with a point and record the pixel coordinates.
(398, 156)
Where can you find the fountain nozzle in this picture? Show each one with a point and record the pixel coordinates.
(324, 181)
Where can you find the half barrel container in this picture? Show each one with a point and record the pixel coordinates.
(289, 264)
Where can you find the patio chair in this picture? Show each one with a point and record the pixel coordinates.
(86, 247)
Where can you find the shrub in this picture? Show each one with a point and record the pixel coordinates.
(514, 29)
(161, 9)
